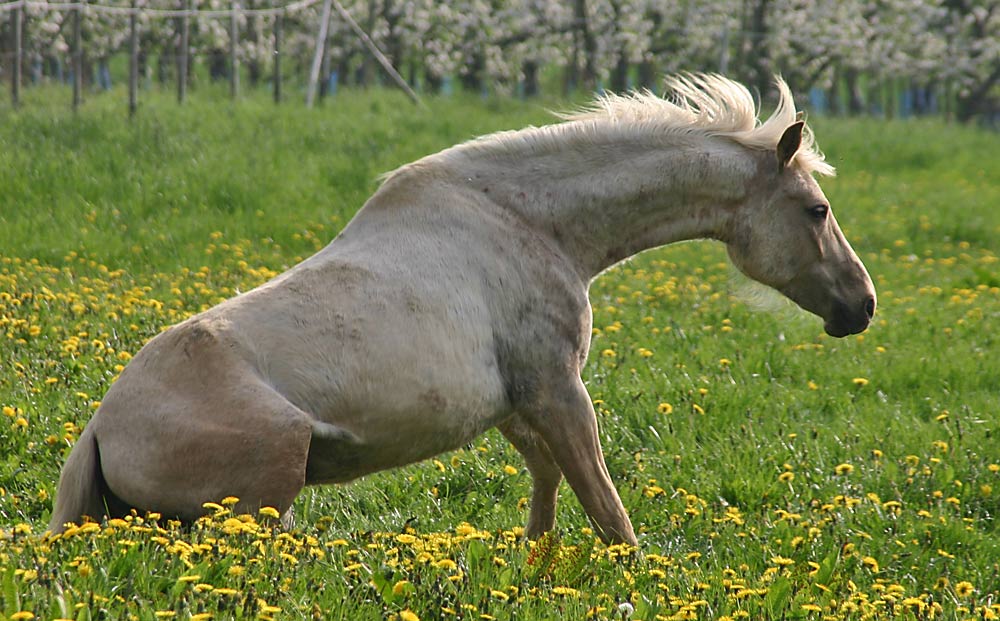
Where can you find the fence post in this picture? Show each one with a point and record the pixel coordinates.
(234, 61)
(182, 60)
(278, 19)
(324, 23)
(15, 83)
(133, 60)
(77, 59)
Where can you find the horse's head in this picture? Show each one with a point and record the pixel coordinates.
(787, 238)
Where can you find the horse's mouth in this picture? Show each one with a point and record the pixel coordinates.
(845, 321)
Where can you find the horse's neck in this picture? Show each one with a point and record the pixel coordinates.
(605, 200)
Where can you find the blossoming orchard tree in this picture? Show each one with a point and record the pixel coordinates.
(862, 55)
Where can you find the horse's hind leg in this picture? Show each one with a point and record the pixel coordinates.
(545, 475)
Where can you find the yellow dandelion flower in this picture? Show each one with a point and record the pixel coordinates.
(843, 469)
(665, 408)
(510, 470)
(870, 563)
(786, 477)
(860, 382)
(964, 589)
(164, 614)
(201, 616)
(500, 595)
(567, 591)
(24, 615)
(609, 353)
(229, 501)
(403, 587)
(408, 615)
(270, 512)
(406, 540)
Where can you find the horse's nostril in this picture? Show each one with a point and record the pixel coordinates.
(870, 307)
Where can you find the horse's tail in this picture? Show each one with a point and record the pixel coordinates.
(80, 485)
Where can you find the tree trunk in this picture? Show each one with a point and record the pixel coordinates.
(589, 77)
(530, 69)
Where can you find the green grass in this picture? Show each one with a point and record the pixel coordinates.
(771, 471)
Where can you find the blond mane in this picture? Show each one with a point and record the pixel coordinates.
(712, 105)
(702, 104)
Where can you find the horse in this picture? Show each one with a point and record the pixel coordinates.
(456, 301)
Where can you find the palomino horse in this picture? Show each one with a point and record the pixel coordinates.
(456, 301)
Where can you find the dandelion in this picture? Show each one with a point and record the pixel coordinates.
(843, 469)
(870, 563)
(510, 470)
(408, 615)
(270, 512)
(403, 587)
(964, 589)
(786, 477)
(665, 408)
(24, 615)
(860, 382)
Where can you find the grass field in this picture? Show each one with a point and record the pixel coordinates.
(772, 472)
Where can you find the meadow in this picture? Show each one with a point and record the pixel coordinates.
(772, 472)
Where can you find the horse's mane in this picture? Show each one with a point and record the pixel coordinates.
(712, 105)
(702, 104)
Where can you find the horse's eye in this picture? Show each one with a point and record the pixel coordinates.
(818, 212)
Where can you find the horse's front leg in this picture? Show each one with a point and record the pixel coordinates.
(566, 421)
(545, 474)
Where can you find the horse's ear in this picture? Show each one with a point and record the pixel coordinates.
(789, 144)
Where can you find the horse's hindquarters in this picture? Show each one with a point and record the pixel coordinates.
(189, 424)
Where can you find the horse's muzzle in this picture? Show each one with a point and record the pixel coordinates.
(846, 320)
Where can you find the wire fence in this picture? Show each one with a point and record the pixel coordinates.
(183, 57)
(161, 13)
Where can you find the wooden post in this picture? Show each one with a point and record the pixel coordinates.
(234, 41)
(77, 59)
(278, 19)
(133, 61)
(324, 24)
(182, 53)
(15, 83)
(374, 51)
